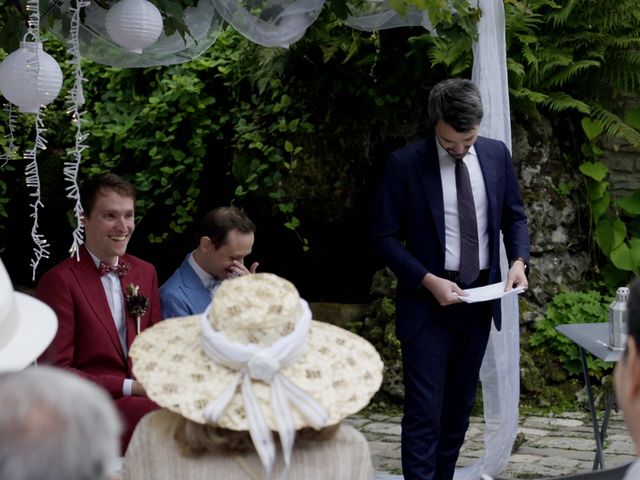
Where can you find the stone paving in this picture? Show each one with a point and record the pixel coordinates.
(546, 446)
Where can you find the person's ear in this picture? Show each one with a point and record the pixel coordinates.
(206, 244)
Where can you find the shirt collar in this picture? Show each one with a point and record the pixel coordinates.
(443, 154)
(97, 261)
(204, 277)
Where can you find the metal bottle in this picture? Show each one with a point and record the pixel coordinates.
(618, 320)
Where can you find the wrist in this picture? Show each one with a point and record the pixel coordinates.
(525, 264)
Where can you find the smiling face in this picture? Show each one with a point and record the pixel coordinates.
(109, 225)
(457, 144)
(218, 262)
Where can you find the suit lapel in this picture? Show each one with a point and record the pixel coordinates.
(91, 286)
(193, 288)
(489, 172)
(429, 174)
(131, 278)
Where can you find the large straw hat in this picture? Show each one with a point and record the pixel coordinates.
(27, 326)
(339, 370)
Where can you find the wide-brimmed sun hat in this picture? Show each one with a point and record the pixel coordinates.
(339, 369)
(27, 326)
(255, 357)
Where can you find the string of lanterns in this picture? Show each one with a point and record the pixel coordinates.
(30, 78)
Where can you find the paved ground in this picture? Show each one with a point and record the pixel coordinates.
(546, 446)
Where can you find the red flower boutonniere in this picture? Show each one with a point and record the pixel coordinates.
(137, 303)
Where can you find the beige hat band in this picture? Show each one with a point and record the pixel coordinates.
(263, 364)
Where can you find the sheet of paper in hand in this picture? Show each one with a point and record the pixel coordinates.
(489, 292)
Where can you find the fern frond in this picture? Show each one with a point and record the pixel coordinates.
(530, 95)
(572, 71)
(615, 126)
(560, 101)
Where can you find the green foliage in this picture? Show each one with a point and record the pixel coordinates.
(574, 56)
(565, 308)
(614, 222)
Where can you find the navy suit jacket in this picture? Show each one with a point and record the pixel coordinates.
(409, 231)
(184, 293)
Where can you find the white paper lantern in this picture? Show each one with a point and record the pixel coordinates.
(134, 24)
(27, 83)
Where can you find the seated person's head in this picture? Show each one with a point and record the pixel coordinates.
(255, 362)
(108, 216)
(55, 425)
(225, 234)
(627, 373)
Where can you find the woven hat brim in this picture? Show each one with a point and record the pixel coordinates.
(340, 370)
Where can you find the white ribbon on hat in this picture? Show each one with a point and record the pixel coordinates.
(253, 362)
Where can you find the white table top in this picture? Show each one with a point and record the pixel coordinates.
(593, 337)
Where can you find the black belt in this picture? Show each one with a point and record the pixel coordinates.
(454, 275)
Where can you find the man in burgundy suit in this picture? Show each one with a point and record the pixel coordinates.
(98, 315)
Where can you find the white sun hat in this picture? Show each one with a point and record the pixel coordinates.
(27, 326)
(256, 361)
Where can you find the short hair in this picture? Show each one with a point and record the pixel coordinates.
(220, 221)
(457, 102)
(633, 311)
(93, 185)
(56, 425)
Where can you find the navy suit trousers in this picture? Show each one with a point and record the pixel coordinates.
(441, 368)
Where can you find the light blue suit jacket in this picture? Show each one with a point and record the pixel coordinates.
(183, 293)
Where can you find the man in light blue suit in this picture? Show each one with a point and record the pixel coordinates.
(225, 238)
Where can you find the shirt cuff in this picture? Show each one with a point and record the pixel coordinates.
(127, 386)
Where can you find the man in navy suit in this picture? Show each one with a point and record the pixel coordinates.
(419, 234)
(225, 238)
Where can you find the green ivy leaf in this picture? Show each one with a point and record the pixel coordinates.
(631, 204)
(634, 250)
(288, 146)
(610, 235)
(595, 170)
(600, 206)
(621, 257)
(592, 128)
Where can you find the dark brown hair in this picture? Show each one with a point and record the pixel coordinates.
(219, 222)
(93, 186)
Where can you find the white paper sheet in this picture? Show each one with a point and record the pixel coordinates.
(489, 292)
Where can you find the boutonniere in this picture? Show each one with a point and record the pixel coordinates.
(137, 303)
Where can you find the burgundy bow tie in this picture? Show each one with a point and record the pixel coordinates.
(120, 269)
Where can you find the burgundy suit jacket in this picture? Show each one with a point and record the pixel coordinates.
(87, 340)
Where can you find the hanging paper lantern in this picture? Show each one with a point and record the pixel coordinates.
(28, 83)
(134, 24)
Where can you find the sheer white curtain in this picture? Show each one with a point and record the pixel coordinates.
(500, 372)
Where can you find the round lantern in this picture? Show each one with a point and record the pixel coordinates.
(27, 83)
(134, 24)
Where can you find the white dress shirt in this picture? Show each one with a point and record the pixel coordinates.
(115, 299)
(450, 197)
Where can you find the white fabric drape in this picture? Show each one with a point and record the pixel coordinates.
(500, 372)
